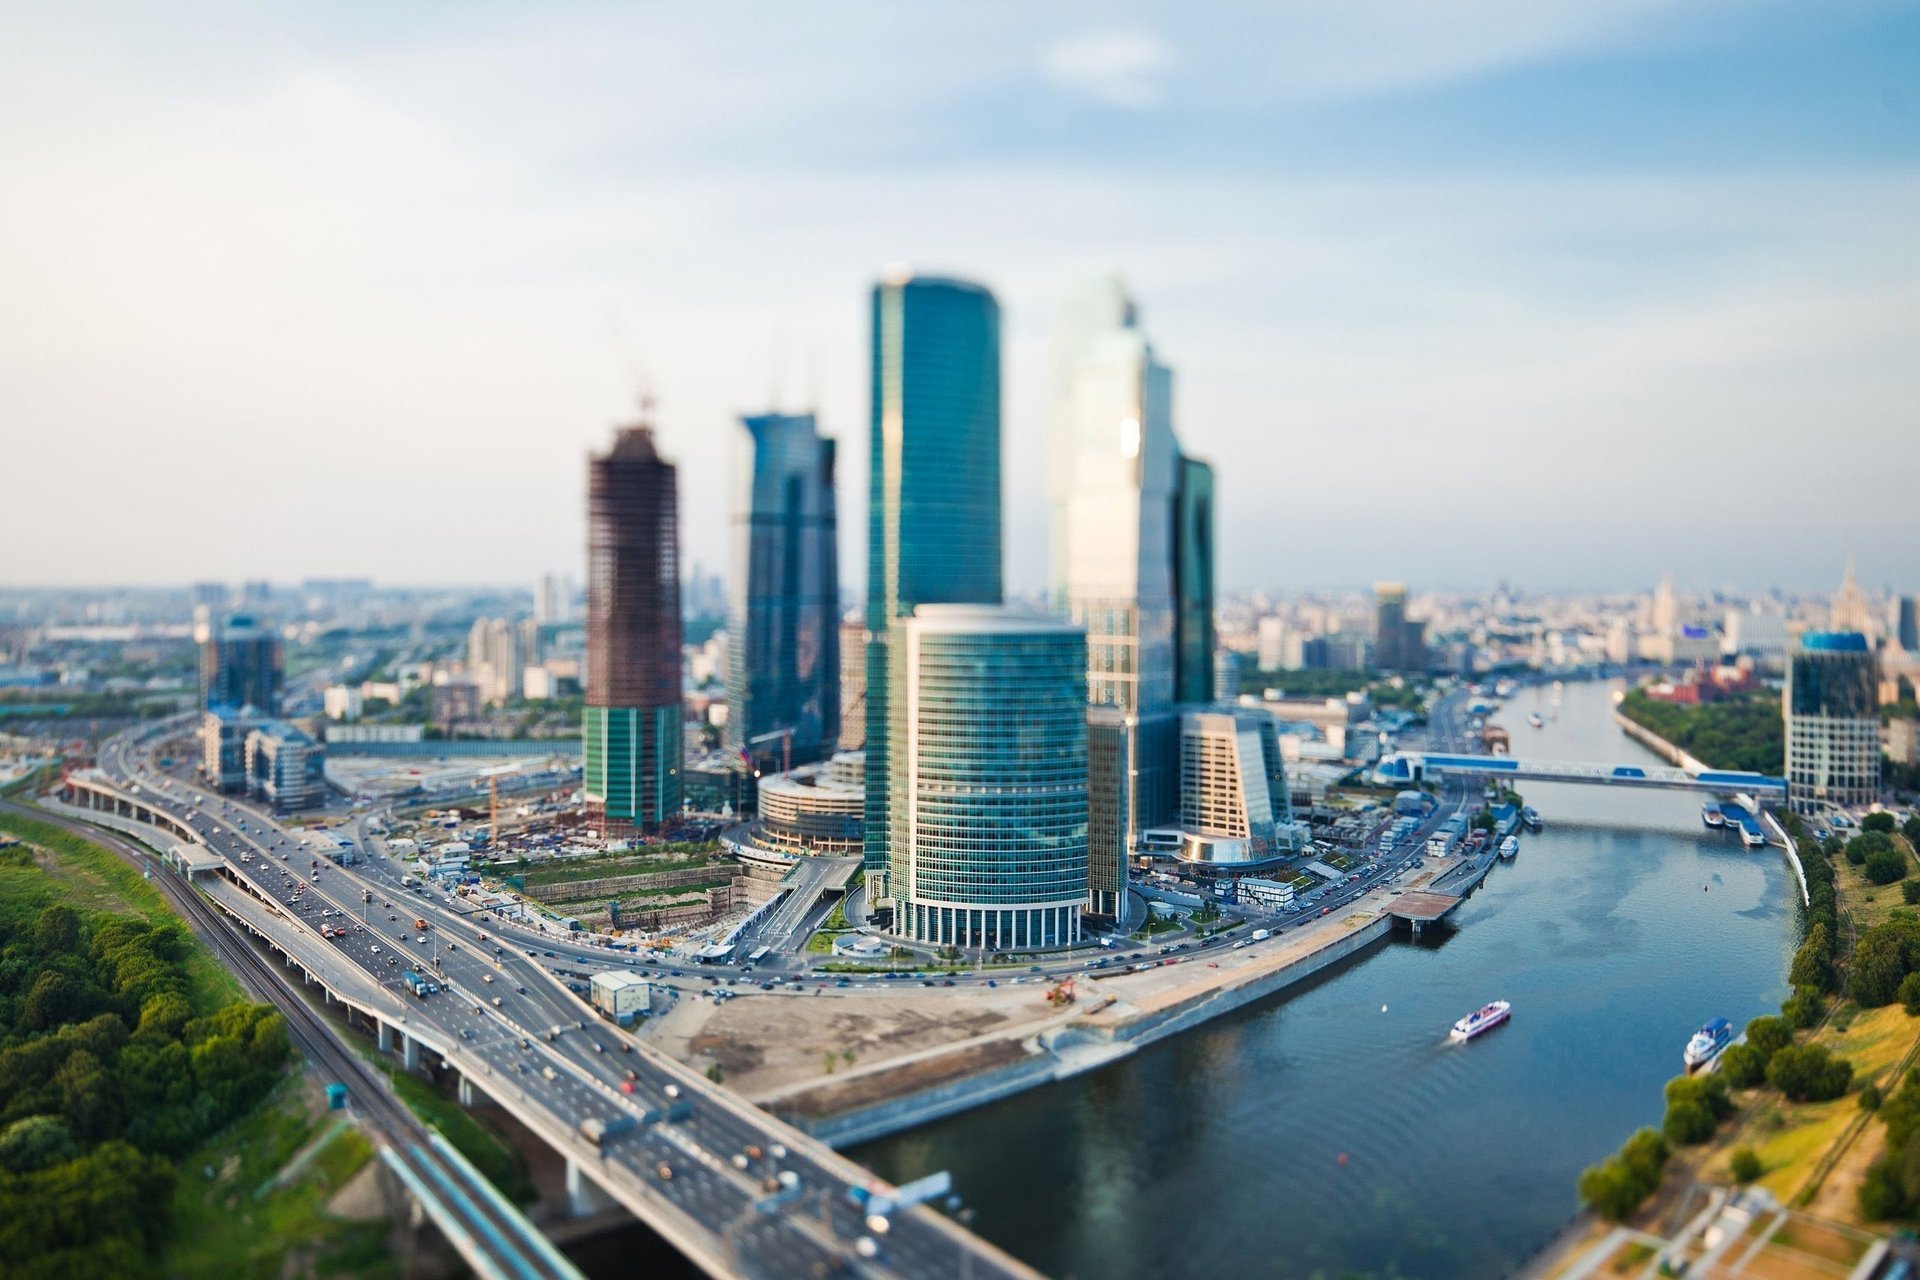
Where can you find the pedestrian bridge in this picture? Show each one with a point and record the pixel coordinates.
(1409, 768)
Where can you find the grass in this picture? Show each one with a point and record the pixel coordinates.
(601, 869)
(499, 1163)
(236, 1225)
(80, 873)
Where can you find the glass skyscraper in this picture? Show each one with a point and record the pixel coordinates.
(633, 715)
(990, 813)
(934, 498)
(783, 622)
(1832, 700)
(240, 665)
(1193, 628)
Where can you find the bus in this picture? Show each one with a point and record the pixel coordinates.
(758, 954)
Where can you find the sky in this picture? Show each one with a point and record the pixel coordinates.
(1567, 294)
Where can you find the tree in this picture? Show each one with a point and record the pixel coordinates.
(1910, 893)
(1911, 830)
(1809, 1073)
(1910, 994)
(1769, 1035)
(1802, 1009)
(1813, 962)
(1877, 822)
(1746, 1165)
(1742, 1066)
(1687, 1123)
(1884, 866)
(56, 930)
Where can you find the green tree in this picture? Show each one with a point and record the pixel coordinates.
(1687, 1123)
(1809, 1073)
(1802, 1009)
(1884, 866)
(1746, 1165)
(1813, 962)
(1910, 993)
(1742, 1066)
(1769, 1035)
(1877, 822)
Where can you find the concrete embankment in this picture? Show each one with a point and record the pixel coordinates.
(1108, 1033)
(1659, 745)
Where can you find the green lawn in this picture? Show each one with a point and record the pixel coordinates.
(236, 1225)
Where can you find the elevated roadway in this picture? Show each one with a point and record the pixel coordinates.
(737, 1191)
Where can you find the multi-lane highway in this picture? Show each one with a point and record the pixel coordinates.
(738, 1191)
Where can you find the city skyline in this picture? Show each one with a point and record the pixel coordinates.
(1443, 254)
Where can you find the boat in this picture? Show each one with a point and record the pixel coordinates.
(1530, 818)
(1534, 719)
(1707, 1044)
(1485, 1018)
(1710, 814)
(1753, 837)
(1509, 847)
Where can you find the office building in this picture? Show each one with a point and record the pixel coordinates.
(211, 596)
(1833, 721)
(533, 645)
(633, 717)
(1226, 675)
(853, 685)
(453, 702)
(933, 498)
(989, 821)
(817, 809)
(494, 662)
(223, 746)
(284, 766)
(240, 664)
(1851, 610)
(1906, 628)
(342, 702)
(552, 600)
(1399, 642)
(1234, 808)
(783, 621)
(1194, 633)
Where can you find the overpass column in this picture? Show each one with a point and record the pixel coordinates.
(410, 1052)
(585, 1197)
(466, 1092)
(385, 1034)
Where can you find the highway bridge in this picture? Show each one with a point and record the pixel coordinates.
(737, 1191)
(1409, 768)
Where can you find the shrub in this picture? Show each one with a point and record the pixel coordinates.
(1687, 1123)
(1616, 1186)
(1803, 1009)
(1708, 1092)
(1746, 1165)
(1809, 1073)
(1869, 1097)
(1884, 866)
(1910, 893)
(1909, 994)
(1877, 822)
(1856, 852)
(1769, 1035)
(1742, 1066)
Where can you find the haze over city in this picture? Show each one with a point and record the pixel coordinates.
(387, 276)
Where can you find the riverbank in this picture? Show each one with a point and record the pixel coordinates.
(1658, 745)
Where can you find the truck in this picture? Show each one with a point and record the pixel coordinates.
(1261, 935)
(406, 882)
(598, 1131)
(419, 922)
(418, 985)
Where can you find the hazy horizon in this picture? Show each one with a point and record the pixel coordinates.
(1564, 294)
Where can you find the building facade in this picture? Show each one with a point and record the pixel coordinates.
(1194, 633)
(1234, 806)
(783, 669)
(240, 665)
(284, 766)
(817, 809)
(933, 532)
(495, 660)
(989, 825)
(1833, 721)
(853, 685)
(633, 716)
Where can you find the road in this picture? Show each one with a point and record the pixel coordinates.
(529, 1043)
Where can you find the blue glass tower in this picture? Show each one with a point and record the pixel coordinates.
(783, 628)
(934, 497)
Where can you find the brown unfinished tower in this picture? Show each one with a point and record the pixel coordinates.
(633, 710)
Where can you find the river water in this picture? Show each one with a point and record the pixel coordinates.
(1333, 1130)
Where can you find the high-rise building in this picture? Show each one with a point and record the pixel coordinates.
(494, 661)
(1851, 609)
(1234, 806)
(1194, 635)
(989, 839)
(210, 595)
(853, 685)
(783, 674)
(240, 665)
(552, 599)
(633, 716)
(1226, 675)
(1832, 709)
(1907, 624)
(933, 497)
(1664, 617)
(533, 648)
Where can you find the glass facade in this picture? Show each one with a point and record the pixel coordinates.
(783, 624)
(1193, 631)
(989, 838)
(632, 728)
(934, 497)
(240, 666)
(1832, 700)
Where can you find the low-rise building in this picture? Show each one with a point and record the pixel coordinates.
(1274, 895)
(285, 766)
(815, 809)
(621, 996)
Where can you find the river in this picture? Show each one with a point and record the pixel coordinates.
(1333, 1130)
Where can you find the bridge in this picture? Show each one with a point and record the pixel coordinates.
(737, 1191)
(1409, 768)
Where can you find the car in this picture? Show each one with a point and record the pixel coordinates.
(521, 990)
(626, 1086)
(421, 938)
(843, 983)
(664, 1170)
(672, 1090)
(376, 951)
(486, 977)
(1326, 911)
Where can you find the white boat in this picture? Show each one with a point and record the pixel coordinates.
(1509, 847)
(1707, 1044)
(1485, 1018)
(1534, 719)
(1753, 837)
(1710, 815)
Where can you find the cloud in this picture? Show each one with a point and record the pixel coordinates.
(1119, 68)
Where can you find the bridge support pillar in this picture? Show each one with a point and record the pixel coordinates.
(585, 1197)
(384, 1033)
(410, 1053)
(466, 1092)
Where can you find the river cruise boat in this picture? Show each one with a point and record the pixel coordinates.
(1509, 847)
(1710, 815)
(1707, 1043)
(1530, 819)
(1752, 836)
(1480, 1020)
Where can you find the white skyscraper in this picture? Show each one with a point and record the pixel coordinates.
(493, 659)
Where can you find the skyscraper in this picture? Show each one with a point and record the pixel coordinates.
(990, 814)
(783, 621)
(1389, 624)
(1234, 806)
(632, 732)
(853, 685)
(494, 659)
(552, 599)
(1193, 628)
(1832, 708)
(240, 665)
(1851, 610)
(1907, 624)
(934, 496)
